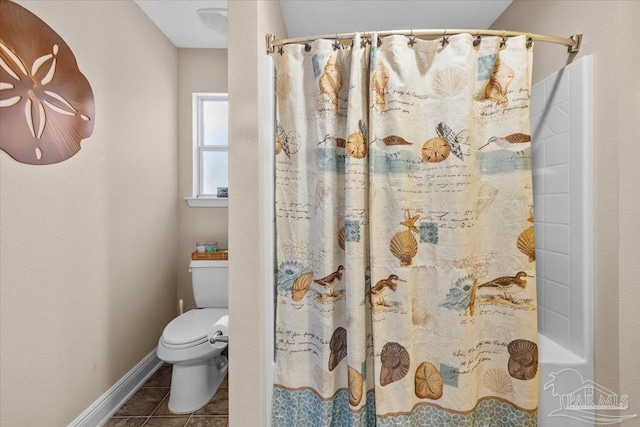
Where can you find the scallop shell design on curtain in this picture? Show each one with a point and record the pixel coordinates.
(338, 347)
(526, 243)
(301, 286)
(523, 363)
(497, 381)
(380, 80)
(331, 80)
(428, 382)
(355, 386)
(341, 237)
(500, 79)
(321, 377)
(450, 81)
(395, 363)
(404, 247)
(288, 272)
(283, 86)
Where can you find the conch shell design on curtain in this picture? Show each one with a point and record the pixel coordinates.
(406, 281)
(331, 81)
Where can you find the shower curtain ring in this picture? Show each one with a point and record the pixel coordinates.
(529, 41)
(476, 41)
(307, 47)
(445, 39)
(336, 45)
(503, 43)
(412, 40)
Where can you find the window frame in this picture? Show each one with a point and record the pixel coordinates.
(198, 198)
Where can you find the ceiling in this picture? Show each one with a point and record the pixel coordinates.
(314, 17)
(179, 21)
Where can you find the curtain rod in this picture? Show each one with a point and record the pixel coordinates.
(573, 42)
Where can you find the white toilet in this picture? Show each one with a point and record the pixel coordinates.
(194, 341)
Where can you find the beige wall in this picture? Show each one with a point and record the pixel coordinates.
(199, 70)
(609, 29)
(249, 21)
(88, 246)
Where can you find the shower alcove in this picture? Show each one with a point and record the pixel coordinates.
(561, 127)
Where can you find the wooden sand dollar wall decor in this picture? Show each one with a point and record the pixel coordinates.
(46, 103)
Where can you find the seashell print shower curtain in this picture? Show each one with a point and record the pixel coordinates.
(406, 287)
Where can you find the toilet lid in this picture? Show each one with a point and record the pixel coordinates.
(193, 326)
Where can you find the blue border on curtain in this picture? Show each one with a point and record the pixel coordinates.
(306, 408)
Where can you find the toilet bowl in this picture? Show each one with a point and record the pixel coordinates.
(194, 341)
(198, 365)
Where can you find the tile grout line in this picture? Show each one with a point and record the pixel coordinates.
(192, 416)
(154, 410)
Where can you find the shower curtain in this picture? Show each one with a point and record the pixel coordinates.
(405, 292)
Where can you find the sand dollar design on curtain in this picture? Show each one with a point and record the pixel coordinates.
(406, 289)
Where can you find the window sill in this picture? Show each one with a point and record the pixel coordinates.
(207, 202)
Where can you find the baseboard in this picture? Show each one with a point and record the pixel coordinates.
(102, 409)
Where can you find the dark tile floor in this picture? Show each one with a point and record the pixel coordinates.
(148, 407)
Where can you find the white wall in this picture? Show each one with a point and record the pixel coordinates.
(609, 29)
(88, 246)
(249, 21)
(561, 128)
(199, 70)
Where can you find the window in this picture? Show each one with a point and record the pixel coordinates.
(210, 149)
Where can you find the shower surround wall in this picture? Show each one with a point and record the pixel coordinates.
(609, 28)
(562, 177)
(562, 133)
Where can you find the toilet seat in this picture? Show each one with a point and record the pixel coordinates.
(191, 328)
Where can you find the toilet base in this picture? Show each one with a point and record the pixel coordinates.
(193, 385)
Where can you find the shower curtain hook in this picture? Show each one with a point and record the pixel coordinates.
(476, 41)
(445, 39)
(307, 46)
(503, 43)
(337, 44)
(529, 41)
(412, 40)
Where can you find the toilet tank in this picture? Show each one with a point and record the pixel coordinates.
(210, 280)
